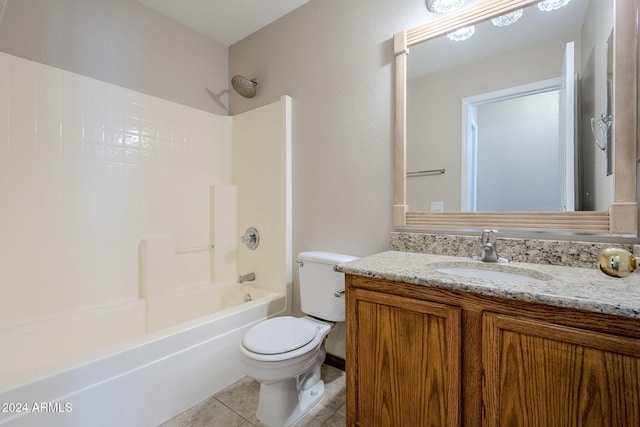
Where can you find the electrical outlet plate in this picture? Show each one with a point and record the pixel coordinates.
(437, 206)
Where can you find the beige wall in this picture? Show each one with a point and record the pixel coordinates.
(334, 58)
(119, 42)
(595, 34)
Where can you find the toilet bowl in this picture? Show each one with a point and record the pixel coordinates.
(285, 354)
(287, 366)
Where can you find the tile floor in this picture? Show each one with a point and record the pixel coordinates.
(236, 405)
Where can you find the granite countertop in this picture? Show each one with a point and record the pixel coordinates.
(573, 287)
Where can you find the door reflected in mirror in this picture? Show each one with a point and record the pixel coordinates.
(507, 114)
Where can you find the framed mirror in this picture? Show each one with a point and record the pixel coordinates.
(454, 105)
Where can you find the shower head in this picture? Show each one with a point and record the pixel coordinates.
(244, 86)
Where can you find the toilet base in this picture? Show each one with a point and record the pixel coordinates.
(289, 388)
(282, 404)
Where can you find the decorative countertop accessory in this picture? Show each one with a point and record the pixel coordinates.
(616, 262)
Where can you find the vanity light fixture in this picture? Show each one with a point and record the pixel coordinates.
(462, 34)
(507, 19)
(443, 6)
(549, 5)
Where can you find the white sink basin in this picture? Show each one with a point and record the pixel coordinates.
(501, 273)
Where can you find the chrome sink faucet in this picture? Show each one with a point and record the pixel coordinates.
(488, 250)
(247, 277)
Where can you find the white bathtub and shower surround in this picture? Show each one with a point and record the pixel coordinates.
(89, 170)
(126, 385)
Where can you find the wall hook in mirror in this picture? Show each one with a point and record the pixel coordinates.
(251, 238)
(603, 124)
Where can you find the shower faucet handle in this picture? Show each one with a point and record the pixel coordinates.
(251, 238)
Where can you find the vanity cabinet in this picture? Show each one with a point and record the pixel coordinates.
(541, 374)
(422, 356)
(406, 354)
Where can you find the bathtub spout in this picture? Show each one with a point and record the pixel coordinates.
(247, 277)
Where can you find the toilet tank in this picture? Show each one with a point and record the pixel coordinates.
(319, 283)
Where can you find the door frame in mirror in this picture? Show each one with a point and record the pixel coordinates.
(622, 217)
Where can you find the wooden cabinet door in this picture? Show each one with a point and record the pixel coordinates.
(403, 361)
(540, 374)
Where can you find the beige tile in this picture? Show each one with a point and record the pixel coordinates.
(236, 405)
(173, 422)
(213, 413)
(334, 383)
(335, 420)
(242, 397)
(210, 413)
(315, 417)
(329, 373)
(254, 421)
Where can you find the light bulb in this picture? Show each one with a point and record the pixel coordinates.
(508, 19)
(444, 6)
(462, 34)
(549, 5)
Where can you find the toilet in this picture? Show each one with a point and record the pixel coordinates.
(285, 354)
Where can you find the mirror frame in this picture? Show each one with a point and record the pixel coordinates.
(622, 217)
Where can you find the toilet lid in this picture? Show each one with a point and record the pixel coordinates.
(279, 335)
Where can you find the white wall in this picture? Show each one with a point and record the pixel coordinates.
(123, 43)
(88, 169)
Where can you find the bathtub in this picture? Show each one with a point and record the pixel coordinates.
(141, 381)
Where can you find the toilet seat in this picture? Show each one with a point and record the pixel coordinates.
(279, 335)
(320, 330)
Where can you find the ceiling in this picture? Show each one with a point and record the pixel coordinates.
(229, 21)
(225, 21)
